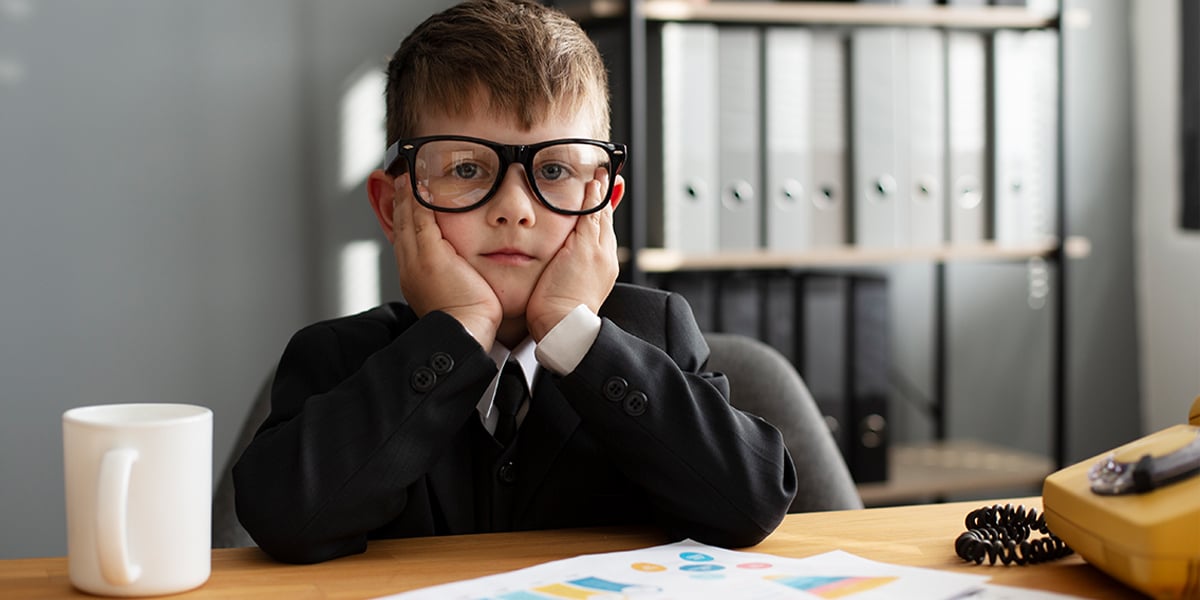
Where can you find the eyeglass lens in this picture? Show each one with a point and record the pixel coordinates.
(459, 173)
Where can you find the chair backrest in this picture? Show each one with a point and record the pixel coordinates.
(762, 382)
(227, 531)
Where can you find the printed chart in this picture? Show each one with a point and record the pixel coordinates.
(691, 570)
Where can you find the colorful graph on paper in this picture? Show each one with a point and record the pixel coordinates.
(596, 588)
(696, 571)
(583, 588)
(831, 587)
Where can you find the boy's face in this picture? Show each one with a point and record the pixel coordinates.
(512, 238)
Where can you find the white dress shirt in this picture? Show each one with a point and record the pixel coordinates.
(560, 351)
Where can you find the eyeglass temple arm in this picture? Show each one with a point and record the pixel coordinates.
(390, 155)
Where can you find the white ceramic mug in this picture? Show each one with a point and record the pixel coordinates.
(139, 497)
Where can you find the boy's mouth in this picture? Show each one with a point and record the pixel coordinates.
(510, 256)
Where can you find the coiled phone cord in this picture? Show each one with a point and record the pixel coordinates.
(1002, 532)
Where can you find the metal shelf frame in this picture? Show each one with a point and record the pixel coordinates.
(637, 15)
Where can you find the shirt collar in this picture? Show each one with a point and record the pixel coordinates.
(523, 354)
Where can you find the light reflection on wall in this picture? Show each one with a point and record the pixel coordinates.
(12, 71)
(12, 13)
(359, 268)
(362, 127)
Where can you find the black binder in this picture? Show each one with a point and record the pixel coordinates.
(700, 290)
(738, 304)
(870, 355)
(823, 358)
(781, 311)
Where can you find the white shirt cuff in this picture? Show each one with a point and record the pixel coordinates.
(564, 346)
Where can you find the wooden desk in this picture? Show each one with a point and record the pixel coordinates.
(920, 535)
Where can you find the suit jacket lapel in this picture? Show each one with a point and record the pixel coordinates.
(548, 426)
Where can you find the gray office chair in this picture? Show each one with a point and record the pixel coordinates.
(762, 382)
(227, 532)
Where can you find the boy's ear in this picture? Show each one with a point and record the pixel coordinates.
(618, 191)
(381, 191)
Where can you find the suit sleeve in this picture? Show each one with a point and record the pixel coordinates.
(713, 473)
(356, 417)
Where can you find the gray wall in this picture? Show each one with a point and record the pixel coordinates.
(152, 229)
(1103, 400)
(165, 211)
(1168, 259)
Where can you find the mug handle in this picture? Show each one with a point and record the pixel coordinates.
(112, 508)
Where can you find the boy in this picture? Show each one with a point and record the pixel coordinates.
(497, 198)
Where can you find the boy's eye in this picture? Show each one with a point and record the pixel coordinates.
(466, 170)
(468, 166)
(552, 172)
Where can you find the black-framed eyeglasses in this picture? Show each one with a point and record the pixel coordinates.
(454, 173)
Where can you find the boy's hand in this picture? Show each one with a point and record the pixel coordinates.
(434, 277)
(583, 271)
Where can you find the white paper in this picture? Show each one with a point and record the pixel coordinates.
(691, 570)
(1004, 592)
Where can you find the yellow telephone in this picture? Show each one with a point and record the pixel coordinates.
(1134, 512)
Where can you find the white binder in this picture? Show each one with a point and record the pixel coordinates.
(926, 88)
(1043, 47)
(880, 117)
(1026, 128)
(829, 108)
(805, 139)
(966, 121)
(738, 101)
(787, 138)
(683, 196)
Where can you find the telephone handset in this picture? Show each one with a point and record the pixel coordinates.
(1133, 512)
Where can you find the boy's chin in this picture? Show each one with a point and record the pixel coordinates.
(513, 308)
(514, 327)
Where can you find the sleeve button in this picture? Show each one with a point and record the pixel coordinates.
(441, 363)
(423, 379)
(635, 404)
(614, 388)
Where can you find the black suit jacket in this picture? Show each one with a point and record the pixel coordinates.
(373, 432)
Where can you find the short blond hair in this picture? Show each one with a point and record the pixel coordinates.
(530, 61)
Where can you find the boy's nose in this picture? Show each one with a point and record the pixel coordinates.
(514, 201)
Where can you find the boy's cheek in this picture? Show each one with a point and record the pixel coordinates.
(567, 228)
(456, 230)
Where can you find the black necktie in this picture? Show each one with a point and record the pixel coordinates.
(510, 395)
